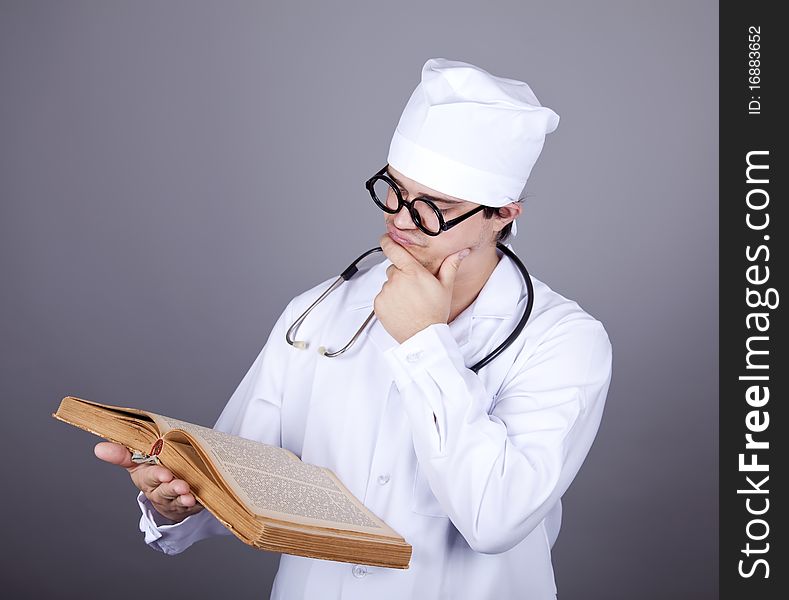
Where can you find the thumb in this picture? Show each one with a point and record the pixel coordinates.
(115, 454)
(449, 268)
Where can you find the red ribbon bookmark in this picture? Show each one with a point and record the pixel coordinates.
(157, 447)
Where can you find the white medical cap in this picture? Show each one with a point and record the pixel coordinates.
(469, 134)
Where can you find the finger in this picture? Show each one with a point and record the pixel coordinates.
(186, 500)
(179, 487)
(449, 268)
(163, 494)
(115, 454)
(400, 257)
(390, 271)
(172, 490)
(150, 477)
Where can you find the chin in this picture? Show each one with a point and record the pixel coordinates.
(431, 263)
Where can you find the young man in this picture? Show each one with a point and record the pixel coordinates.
(468, 467)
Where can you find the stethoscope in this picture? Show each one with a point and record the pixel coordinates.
(352, 270)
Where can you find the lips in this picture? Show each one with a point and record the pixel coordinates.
(396, 237)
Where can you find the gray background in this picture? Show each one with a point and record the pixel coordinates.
(172, 173)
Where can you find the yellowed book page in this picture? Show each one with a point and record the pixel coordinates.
(274, 483)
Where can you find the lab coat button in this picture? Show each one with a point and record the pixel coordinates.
(383, 479)
(414, 356)
(359, 571)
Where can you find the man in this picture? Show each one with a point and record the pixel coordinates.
(469, 467)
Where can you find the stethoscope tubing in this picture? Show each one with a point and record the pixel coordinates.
(352, 269)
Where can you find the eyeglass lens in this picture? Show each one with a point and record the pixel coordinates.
(386, 196)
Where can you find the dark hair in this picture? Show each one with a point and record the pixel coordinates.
(489, 212)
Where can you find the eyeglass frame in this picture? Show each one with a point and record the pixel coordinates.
(442, 224)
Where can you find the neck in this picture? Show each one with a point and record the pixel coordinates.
(471, 277)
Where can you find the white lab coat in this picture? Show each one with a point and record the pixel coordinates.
(468, 468)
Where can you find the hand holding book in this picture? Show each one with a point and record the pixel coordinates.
(171, 497)
(263, 494)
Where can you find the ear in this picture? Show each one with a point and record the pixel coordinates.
(506, 214)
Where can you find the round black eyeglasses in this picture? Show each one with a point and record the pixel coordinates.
(426, 216)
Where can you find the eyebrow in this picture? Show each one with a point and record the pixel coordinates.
(428, 196)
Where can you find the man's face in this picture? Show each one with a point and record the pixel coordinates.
(475, 232)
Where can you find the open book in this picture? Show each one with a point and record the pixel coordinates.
(265, 495)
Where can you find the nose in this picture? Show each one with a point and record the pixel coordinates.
(403, 220)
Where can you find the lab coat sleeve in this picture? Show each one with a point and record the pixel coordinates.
(253, 411)
(496, 473)
(173, 538)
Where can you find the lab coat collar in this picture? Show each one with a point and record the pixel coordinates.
(499, 297)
